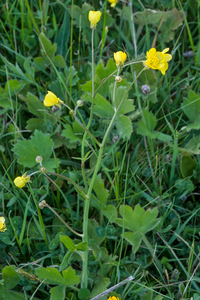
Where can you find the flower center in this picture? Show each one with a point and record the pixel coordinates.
(154, 61)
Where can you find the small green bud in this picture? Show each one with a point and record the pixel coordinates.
(118, 79)
(79, 103)
(39, 159)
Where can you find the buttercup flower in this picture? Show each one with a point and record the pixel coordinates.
(113, 298)
(120, 58)
(94, 17)
(157, 60)
(51, 99)
(20, 181)
(2, 224)
(113, 2)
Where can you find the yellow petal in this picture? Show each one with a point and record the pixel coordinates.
(165, 50)
(168, 57)
(2, 224)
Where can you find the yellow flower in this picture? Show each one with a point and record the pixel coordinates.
(157, 60)
(20, 181)
(120, 58)
(94, 17)
(2, 224)
(113, 298)
(51, 99)
(113, 2)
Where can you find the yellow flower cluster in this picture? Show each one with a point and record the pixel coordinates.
(20, 181)
(157, 60)
(2, 224)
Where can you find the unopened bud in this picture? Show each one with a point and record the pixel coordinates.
(39, 159)
(79, 103)
(71, 112)
(42, 204)
(145, 89)
(43, 170)
(118, 79)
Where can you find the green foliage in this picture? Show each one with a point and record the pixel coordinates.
(167, 22)
(138, 221)
(47, 46)
(39, 145)
(187, 165)
(191, 107)
(147, 126)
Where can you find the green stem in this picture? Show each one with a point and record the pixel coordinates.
(90, 119)
(59, 217)
(68, 179)
(86, 130)
(87, 201)
(114, 103)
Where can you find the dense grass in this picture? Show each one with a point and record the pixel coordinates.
(153, 164)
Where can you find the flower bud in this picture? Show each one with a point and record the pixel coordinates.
(118, 79)
(42, 204)
(43, 170)
(71, 112)
(145, 89)
(79, 103)
(39, 159)
(20, 181)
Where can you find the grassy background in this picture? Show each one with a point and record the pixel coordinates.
(46, 46)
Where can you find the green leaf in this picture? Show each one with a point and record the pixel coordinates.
(188, 165)
(69, 244)
(41, 63)
(134, 239)
(138, 220)
(13, 87)
(167, 22)
(82, 246)
(100, 285)
(70, 277)
(100, 191)
(124, 126)
(58, 292)
(10, 277)
(70, 135)
(191, 106)
(43, 144)
(40, 144)
(127, 104)
(83, 294)
(47, 49)
(37, 108)
(147, 295)
(26, 152)
(102, 107)
(15, 69)
(50, 276)
(58, 61)
(66, 260)
(63, 35)
(110, 212)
